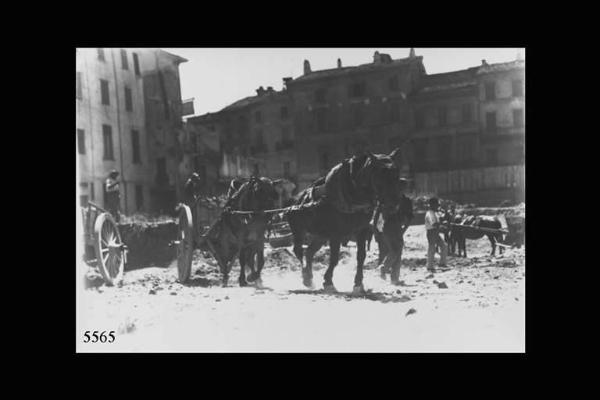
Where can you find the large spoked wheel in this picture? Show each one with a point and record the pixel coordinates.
(109, 249)
(185, 243)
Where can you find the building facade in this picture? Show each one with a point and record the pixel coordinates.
(114, 129)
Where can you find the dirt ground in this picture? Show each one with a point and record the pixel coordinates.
(476, 306)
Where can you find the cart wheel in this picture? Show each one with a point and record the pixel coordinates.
(185, 243)
(109, 249)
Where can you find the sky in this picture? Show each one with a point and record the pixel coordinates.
(217, 77)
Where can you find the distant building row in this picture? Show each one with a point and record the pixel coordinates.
(462, 132)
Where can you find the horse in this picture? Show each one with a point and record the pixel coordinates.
(340, 206)
(459, 234)
(243, 235)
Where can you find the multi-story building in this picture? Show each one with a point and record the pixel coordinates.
(115, 114)
(340, 111)
(468, 134)
(110, 123)
(255, 136)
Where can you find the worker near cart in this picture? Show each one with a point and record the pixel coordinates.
(432, 226)
(113, 195)
(191, 189)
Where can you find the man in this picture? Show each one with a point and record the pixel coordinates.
(391, 238)
(191, 189)
(113, 196)
(432, 226)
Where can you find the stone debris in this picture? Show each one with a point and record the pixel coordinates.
(410, 311)
(442, 285)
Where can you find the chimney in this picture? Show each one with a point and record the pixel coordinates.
(339, 64)
(385, 58)
(307, 67)
(286, 81)
(483, 62)
(411, 54)
(376, 57)
(260, 91)
(270, 89)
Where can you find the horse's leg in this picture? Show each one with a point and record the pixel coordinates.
(334, 255)
(260, 261)
(493, 242)
(242, 258)
(361, 241)
(307, 276)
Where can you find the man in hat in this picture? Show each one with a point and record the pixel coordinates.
(432, 226)
(191, 189)
(390, 238)
(113, 196)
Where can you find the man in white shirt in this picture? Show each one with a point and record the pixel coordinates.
(432, 225)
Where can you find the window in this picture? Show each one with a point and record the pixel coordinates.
(442, 113)
(101, 55)
(445, 150)
(135, 145)
(104, 92)
(128, 101)
(466, 112)
(284, 112)
(258, 116)
(78, 89)
(419, 119)
(393, 83)
(83, 200)
(259, 138)
(490, 90)
(161, 171)
(518, 118)
(108, 142)
(139, 197)
(124, 62)
(357, 115)
(394, 110)
(321, 119)
(490, 121)
(136, 64)
(286, 169)
(517, 88)
(285, 134)
(81, 141)
(92, 190)
(320, 95)
(492, 156)
(357, 89)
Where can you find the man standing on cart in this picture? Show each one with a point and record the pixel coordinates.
(113, 196)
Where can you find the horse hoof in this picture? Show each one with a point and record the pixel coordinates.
(329, 289)
(252, 277)
(258, 283)
(358, 290)
(243, 283)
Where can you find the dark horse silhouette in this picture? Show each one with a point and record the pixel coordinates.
(459, 234)
(243, 235)
(340, 206)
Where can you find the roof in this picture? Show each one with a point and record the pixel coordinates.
(345, 71)
(252, 100)
(464, 78)
(175, 57)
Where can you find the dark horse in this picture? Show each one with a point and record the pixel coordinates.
(244, 234)
(459, 234)
(340, 207)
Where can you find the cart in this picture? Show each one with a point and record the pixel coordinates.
(103, 244)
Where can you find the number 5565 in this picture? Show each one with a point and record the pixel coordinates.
(102, 337)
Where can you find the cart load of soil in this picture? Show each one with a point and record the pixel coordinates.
(148, 242)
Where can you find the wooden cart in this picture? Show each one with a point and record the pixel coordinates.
(103, 244)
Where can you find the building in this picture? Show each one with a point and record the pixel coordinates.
(164, 125)
(255, 135)
(116, 123)
(344, 110)
(468, 130)
(110, 124)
